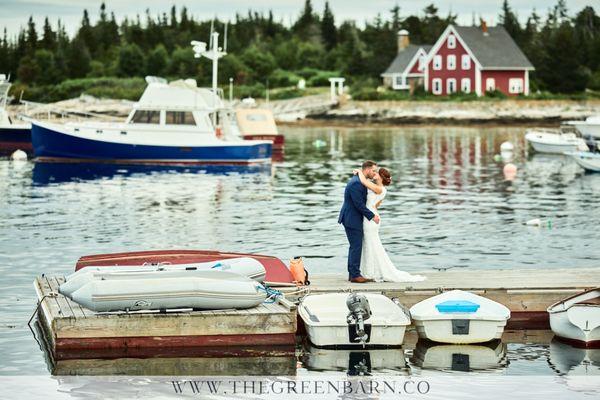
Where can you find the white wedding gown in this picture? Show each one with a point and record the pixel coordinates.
(374, 262)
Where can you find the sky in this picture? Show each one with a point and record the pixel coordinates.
(14, 13)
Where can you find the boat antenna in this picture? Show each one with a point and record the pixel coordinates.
(212, 28)
(225, 37)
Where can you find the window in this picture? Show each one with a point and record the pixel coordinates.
(437, 62)
(437, 86)
(515, 85)
(180, 118)
(451, 61)
(490, 84)
(256, 117)
(146, 117)
(465, 85)
(451, 86)
(451, 42)
(466, 61)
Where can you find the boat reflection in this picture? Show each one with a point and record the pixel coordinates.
(462, 358)
(50, 173)
(575, 366)
(214, 361)
(353, 362)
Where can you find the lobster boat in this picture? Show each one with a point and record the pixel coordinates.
(173, 123)
(243, 266)
(459, 317)
(354, 320)
(554, 142)
(576, 319)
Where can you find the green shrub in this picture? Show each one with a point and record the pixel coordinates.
(495, 94)
(321, 78)
(288, 93)
(281, 78)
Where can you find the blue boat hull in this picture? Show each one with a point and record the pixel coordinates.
(12, 139)
(49, 145)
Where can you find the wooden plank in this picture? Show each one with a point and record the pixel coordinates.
(75, 309)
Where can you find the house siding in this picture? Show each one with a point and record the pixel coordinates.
(444, 74)
(501, 79)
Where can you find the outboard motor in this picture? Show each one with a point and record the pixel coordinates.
(358, 305)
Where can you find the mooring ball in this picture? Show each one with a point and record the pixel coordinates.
(19, 155)
(507, 146)
(510, 171)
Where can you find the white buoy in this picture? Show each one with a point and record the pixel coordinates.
(19, 155)
(534, 222)
(507, 146)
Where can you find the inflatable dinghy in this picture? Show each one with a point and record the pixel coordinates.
(206, 290)
(244, 266)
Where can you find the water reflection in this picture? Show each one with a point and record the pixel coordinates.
(354, 362)
(575, 365)
(52, 173)
(486, 357)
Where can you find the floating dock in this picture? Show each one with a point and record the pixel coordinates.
(526, 292)
(69, 327)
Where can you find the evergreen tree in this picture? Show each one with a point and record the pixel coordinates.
(396, 21)
(509, 20)
(32, 37)
(131, 61)
(78, 59)
(328, 29)
(49, 36)
(157, 61)
(306, 27)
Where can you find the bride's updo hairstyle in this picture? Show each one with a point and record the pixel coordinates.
(386, 177)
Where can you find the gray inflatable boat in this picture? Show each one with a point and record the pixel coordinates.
(206, 290)
(244, 266)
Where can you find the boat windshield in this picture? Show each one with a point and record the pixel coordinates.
(146, 117)
(179, 118)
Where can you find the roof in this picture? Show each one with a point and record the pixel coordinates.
(494, 50)
(177, 95)
(256, 121)
(404, 58)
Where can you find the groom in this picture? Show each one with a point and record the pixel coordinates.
(351, 216)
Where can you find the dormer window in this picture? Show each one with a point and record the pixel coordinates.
(451, 41)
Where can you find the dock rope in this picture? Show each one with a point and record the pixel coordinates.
(272, 294)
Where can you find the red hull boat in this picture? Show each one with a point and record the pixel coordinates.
(275, 268)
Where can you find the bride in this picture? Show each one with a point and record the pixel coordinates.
(375, 263)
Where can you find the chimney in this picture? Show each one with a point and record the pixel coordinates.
(403, 40)
(484, 27)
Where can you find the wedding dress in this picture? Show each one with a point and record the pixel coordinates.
(375, 263)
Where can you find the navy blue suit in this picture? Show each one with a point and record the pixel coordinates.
(351, 216)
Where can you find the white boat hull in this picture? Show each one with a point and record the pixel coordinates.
(324, 317)
(554, 143)
(480, 331)
(213, 291)
(577, 318)
(588, 161)
(459, 317)
(244, 266)
(587, 129)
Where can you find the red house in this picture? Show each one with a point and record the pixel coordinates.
(476, 59)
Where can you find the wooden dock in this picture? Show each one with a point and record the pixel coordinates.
(68, 326)
(527, 293)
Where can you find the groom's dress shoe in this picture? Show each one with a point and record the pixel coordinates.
(360, 279)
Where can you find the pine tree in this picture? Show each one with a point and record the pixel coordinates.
(328, 29)
(509, 20)
(32, 37)
(49, 36)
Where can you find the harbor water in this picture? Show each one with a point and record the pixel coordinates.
(449, 206)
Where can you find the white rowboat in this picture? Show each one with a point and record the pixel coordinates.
(459, 317)
(577, 318)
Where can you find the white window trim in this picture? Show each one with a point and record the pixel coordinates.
(438, 62)
(433, 86)
(465, 65)
(451, 62)
(465, 82)
(488, 87)
(511, 83)
(451, 41)
(448, 82)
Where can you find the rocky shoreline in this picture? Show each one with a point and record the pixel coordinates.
(509, 112)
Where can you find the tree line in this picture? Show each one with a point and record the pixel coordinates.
(564, 48)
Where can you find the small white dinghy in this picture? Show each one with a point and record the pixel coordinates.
(587, 160)
(355, 319)
(244, 266)
(577, 318)
(206, 290)
(554, 141)
(459, 317)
